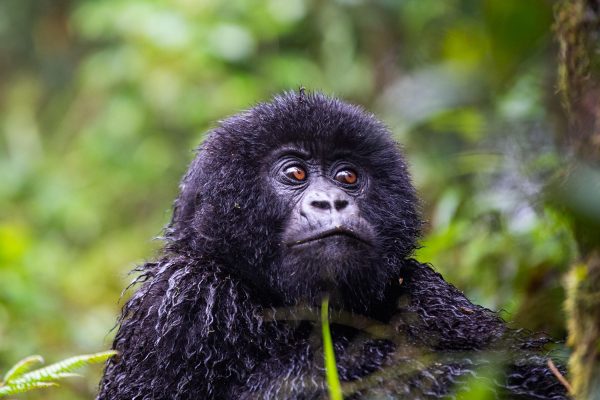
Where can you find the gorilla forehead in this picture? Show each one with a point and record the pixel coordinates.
(319, 124)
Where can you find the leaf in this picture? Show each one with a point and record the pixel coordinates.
(21, 367)
(56, 370)
(20, 387)
(17, 381)
(333, 381)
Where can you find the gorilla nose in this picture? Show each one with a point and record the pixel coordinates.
(326, 204)
(329, 201)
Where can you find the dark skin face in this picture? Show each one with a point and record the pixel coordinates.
(326, 236)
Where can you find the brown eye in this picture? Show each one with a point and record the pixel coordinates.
(346, 176)
(295, 173)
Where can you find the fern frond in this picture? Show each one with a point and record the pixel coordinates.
(21, 367)
(20, 387)
(55, 371)
(18, 380)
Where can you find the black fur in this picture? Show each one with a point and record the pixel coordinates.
(220, 315)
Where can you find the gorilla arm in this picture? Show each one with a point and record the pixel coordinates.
(441, 340)
(438, 316)
(183, 331)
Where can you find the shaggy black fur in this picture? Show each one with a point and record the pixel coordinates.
(222, 314)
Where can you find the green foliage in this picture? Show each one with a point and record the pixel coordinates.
(20, 379)
(482, 386)
(333, 381)
(102, 102)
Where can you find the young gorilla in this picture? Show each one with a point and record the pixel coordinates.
(292, 200)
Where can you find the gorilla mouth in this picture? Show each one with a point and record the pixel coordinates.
(337, 231)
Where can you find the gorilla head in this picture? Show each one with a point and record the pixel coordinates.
(301, 195)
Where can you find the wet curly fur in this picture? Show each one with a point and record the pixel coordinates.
(218, 316)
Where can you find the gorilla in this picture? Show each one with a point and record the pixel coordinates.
(293, 200)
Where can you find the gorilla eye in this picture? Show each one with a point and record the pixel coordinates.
(295, 173)
(347, 176)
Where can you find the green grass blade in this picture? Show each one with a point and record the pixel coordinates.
(21, 367)
(333, 381)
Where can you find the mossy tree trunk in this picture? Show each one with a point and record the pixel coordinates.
(578, 32)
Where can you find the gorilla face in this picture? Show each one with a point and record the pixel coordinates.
(299, 196)
(325, 236)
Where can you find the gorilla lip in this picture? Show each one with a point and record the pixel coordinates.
(337, 231)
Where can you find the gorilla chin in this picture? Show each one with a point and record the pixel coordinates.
(345, 270)
(340, 262)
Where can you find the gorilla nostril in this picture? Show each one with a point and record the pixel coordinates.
(340, 204)
(321, 204)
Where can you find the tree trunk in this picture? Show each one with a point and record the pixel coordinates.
(578, 30)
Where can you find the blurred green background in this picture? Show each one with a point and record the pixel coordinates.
(102, 103)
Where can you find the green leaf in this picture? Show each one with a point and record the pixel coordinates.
(333, 381)
(55, 371)
(20, 387)
(21, 367)
(18, 381)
